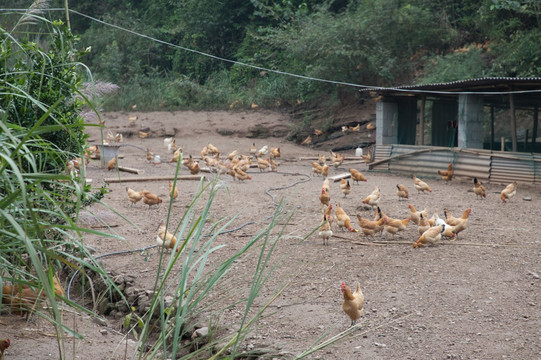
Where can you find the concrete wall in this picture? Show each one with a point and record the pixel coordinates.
(470, 121)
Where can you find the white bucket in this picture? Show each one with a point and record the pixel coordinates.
(358, 152)
(107, 152)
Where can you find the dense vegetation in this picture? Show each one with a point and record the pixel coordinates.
(368, 42)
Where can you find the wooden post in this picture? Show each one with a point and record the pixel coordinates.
(535, 123)
(513, 122)
(503, 144)
(492, 128)
(422, 120)
(526, 140)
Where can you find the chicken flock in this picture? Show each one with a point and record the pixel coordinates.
(430, 229)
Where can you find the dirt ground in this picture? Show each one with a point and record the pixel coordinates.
(475, 298)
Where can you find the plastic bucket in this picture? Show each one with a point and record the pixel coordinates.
(359, 152)
(107, 152)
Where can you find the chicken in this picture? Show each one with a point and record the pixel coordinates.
(420, 185)
(194, 167)
(324, 198)
(132, 119)
(212, 150)
(167, 141)
(176, 155)
(165, 238)
(22, 299)
(393, 226)
(263, 151)
(254, 106)
(356, 175)
(430, 236)
(457, 224)
(342, 219)
(273, 164)
(415, 215)
(204, 151)
(370, 227)
(367, 158)
(353, 302)
(345, 187)
(329, 215)
(321, 159)
(509, 191)
(262, 164)
(423, 225)
(118, 138)
(336, 159)
(373, 198)
(326, 185)
(479, 189)
(111, 164)
(274, 152)
(172, 147)
(134, 196)
(370, 126)
(345, 129)
(447, 175)
(402, 192)
(150, 199)
(173, 192)
(355, 128)
(241, 175)
(325, 230)
(318, 132)
(233, 154)
(325, 170)
(253, 149)
(316, 168)
(150, 155)
(144, 135)
(307, 141)
(437, 221)
(4, 344)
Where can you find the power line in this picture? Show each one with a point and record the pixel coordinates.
(369, 87)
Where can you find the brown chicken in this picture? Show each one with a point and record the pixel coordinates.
(420, 185)
(233, 155)
(479, 189)
(307, 141)
(22, 299)
(111, 164)
(274, 152)
(194, 167)
(134, 196)
(144, 135)
(241, 175)
(355, 128)
(345, 187)
(336, 159)
(325, 170)
(430, 236)
(415, 215)
(393, 226)
(173, 192)
(4, 344)
(374, 198)
(457, 224)
(325, 229)
(273, 164)
(176, 155)
(402, 192)
(316, 168)
(356, 175)
(367, 158)
(165, 238)
(329, 215)
(324, 198)
(321, 159)
(509, 191)
(253, 149)
(318, 132)
(342, 219)
(262, 164)
(353, 302)
(447, 175)
(150, 155)
(370, 126)
(423, 225)
(370, 227)
(150, 199)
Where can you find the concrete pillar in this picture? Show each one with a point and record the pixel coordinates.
(386, 123)
(470, 121)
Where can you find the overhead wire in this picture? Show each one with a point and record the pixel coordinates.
(280, 72)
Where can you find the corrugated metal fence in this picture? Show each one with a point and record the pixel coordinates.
(486, 165)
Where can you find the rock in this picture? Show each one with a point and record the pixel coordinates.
(527, 198)
(202, 332)
(104, 331)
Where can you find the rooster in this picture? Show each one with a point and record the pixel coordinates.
(420, 185)
(353, 302)
(479, 189)
(447, 175)
(509, 191)
(402, 192)
(345, 187)
(342, 219)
